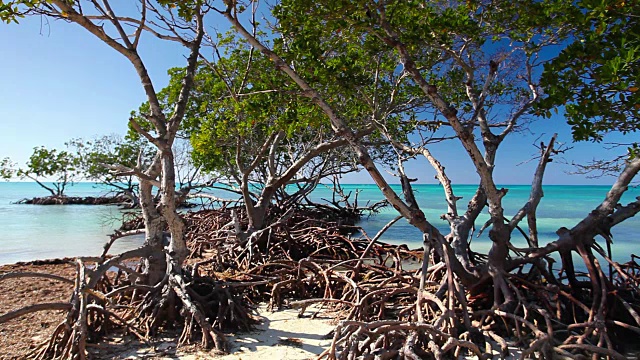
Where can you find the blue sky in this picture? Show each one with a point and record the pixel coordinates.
(60, 82)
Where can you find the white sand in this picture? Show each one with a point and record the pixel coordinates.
(282, 335)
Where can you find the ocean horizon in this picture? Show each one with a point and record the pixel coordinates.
(35, 232)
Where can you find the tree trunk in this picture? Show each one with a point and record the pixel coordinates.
(177, 246)
(154, 234)
(461, 229)
(340, 128)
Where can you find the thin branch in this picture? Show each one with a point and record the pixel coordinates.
(33, 308)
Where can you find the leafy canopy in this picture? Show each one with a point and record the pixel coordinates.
(94, 157)
(58, 166)
(596, 76)
(11, 11)
(7, 169)
(452, 44)
(45, 163)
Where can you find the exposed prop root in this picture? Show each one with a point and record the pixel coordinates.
(104, 301)
(389, 309)
(208, 332)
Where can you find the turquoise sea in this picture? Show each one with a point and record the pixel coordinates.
(30, 232)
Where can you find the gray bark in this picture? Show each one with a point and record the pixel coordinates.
(339, 126)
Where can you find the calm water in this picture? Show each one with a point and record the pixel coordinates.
(32, 232)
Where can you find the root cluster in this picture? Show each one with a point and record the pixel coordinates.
(391, 310)
(389, 307)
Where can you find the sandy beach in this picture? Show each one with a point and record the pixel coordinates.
(280, 335)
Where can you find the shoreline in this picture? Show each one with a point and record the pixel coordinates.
(34, 232)
(298, 274)
(281, 334)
